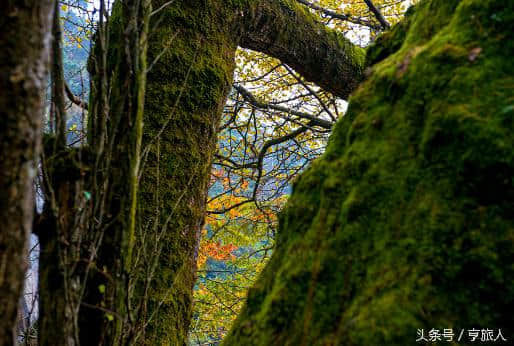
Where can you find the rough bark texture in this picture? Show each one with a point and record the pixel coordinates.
(56, 224)
(60, 229)
(191, 62)
(24, 38)
(106, 317)
(406, 221)
(187, 88)
(287, 31)
(195, 43)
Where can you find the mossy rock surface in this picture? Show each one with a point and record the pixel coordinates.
(406, 222)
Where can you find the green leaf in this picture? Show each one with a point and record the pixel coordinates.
(508, 109)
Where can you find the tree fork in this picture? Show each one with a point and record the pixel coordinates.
(187, 87)
(191, 54)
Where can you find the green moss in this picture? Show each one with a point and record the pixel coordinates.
(186, 91)
(390, 41)
(405, 223)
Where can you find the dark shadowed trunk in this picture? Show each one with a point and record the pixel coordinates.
(119, 66)
(87, 228)
(60, 230)
(57, 220)
(24, 41)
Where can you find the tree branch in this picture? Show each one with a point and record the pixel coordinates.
(286, 31)
(233, 163)
(264, 149)
(378, 15)
(73, 98)
(57, 76)
(312, 92)
(259, 166)
(314, 121)
(340, 16)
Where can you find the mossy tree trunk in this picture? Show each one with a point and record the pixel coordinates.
(191, 54)
(119, 67)
(87, 228)
(24, 38)
(190, 63)
(406, 221)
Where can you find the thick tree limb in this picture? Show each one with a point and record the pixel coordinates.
(287, 31)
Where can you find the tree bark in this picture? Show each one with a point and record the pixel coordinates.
(24, 38)
(87, 228)
(405, 222)
(61, 226)
(190, 77)
(188, 83)
(106, 317)
(61, 231)
(58, 109)
(191, 63)
(287, 31)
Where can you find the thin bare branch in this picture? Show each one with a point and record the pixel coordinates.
(252, 100)
(340, 16)
(378, 15)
